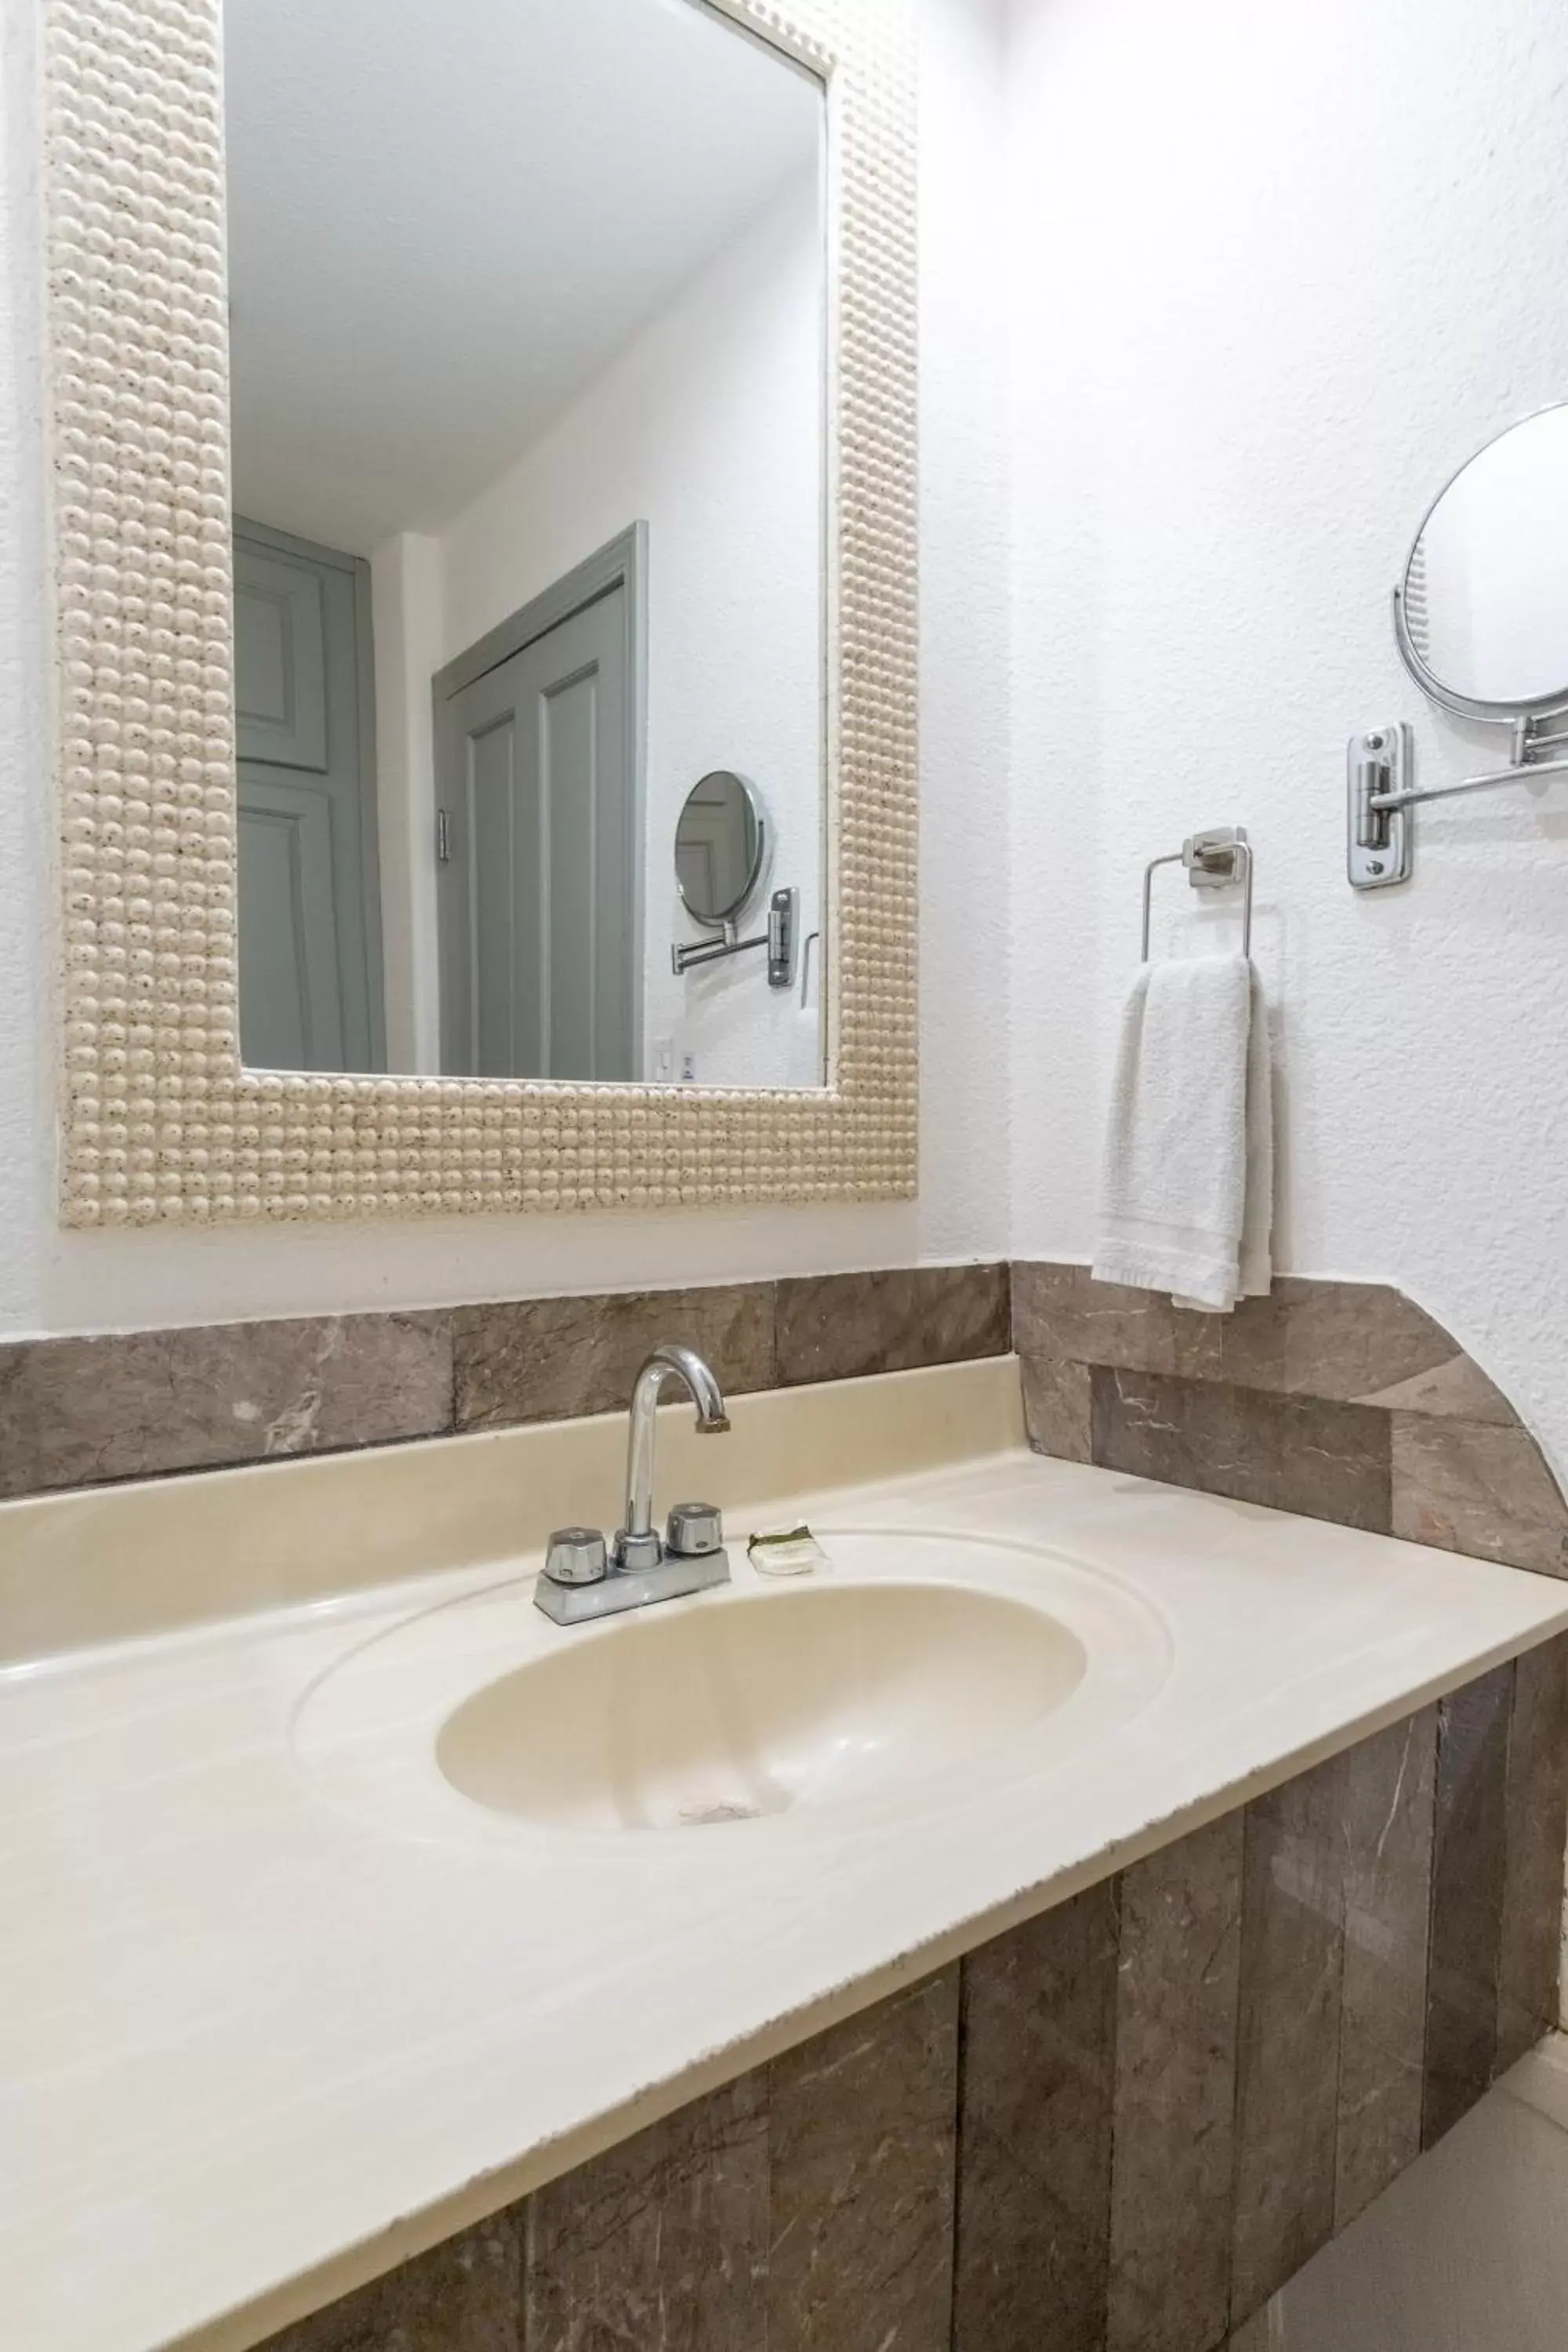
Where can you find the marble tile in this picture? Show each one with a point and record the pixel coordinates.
(1344, 1340)
(1330, 1461)
(74, 1412)
(1389, 1795)
(1061, 1311)
(1292, 1952)
(1353, 1342)
(1058, 1408)
(661, 2244)
(548, 1359)
(1034, 2140)
(1474, 1487)
(1468, 1865)
(1260, 2335)
(462, 2296)
(834, 1327)
(1536, 1812)
(861, 2159)
(1458, 1390)
(1174, 2095)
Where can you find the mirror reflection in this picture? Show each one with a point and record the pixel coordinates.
(527, 325)
(1484, 602)
(718, 847)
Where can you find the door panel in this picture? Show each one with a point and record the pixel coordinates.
(538, 920)
(281, 661)
(309, 945)
(502, 819)
(288, 933)
(582, 994)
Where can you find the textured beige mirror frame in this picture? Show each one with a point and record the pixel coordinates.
(160, 1120)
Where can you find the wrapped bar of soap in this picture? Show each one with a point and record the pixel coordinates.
(785, 1551)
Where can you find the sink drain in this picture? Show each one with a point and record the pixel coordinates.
(694, 1817)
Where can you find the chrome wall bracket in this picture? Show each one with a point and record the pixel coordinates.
(783, 923)
(1379, 835)
(1382, 793)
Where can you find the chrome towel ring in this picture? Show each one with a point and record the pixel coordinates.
(1213, 861)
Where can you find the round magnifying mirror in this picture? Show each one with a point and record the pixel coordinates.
(1482, 611)
(719, 846)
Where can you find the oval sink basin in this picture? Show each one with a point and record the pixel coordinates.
(921, 1670)
(794, 1695)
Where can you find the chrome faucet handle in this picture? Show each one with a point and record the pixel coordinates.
(695, 1530)
(576, 1556)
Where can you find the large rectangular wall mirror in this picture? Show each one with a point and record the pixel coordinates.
(527, 333)
(486, 465)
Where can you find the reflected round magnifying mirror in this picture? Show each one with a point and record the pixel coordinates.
(1481, 613)
(719, 846)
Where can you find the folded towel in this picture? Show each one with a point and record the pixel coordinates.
(1187, 1200)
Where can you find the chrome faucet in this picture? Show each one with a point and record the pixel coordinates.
(582, 1579)
(638, 1544)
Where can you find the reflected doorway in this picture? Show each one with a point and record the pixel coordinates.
(309, 891)
(540, 820)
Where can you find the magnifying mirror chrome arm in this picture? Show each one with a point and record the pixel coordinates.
(1480, 620)
(700, 951)
(1413, 795)
(779, 938)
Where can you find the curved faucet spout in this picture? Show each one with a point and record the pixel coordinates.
(670, 1360)
(638, 1544)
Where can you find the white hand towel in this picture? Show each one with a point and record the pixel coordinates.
(1187, 1200)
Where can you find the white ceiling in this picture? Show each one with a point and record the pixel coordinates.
(447, 215)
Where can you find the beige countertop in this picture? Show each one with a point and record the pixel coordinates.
(272, 2021)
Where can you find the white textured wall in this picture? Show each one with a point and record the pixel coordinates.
(708, 428)
(1274, 271)
(51, 1280)
(1271, 273)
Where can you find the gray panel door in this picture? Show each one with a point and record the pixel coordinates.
(291, 1000)
(310, 928)
(537, 924)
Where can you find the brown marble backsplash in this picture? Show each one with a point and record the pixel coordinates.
(1119, 2127)
(1341, 1400)
(75, 1412)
